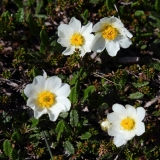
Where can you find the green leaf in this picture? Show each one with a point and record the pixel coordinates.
(86, 135)
(144, 46)
(20, 15)
(44, 37)
(34, 122)
(39, 5)
(88, 91)
(33, 26)
(7, 147)
(157, 66)
(68, 147)
(16, 137)
(140, 84)
(18, 3)
(136, 95)
(157, 5)
(139, 13)
(74, 118)
(14, 154)
(63, 115)
(110, 4)
(60, 129)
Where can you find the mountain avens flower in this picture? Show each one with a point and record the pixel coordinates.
(105, 124)
(74, 36)
(48, 95)
(110, 34)
(126, 122)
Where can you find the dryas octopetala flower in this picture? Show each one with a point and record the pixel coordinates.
(48, 95)
(126, 123)
(110, 34)
(74, 36)
(105, 124)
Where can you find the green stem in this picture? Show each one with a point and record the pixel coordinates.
(47, 145)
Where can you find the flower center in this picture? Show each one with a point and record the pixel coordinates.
(109, 33)
(46, 99)
(128, 123)
(77, 39)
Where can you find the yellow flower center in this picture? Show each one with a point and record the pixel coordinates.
(128, 123)
(109, 33)
(46, 99)
(77, 39)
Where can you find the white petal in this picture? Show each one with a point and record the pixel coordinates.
(140, 128)
(131, 111)
(65, 101)
(116, 22)
(55, 111)
(128, 135)
(29, 91)
(38, 112)
(75, 24)
(112, 131)
(70, 50)
(88, 38)
(83, 51)
(119, 140)
(113, 117)
(98, 43)
(118, 108)
(112, 48)
(53, 83)
(39, 83)
(105, 20)
(64, 90)
(31, 102)
(64, 31)
(87, 28)
(98, 27)
(124, 41)
(140, 113)
(64, 41)
(125, 32)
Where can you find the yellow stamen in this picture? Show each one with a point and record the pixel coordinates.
(128, 123)
(109, 33)
(77, 39)
(46, 99)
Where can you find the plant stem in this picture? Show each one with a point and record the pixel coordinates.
(43, 133)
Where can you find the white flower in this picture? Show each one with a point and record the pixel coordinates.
(105, 124)
(126, 123)
(110, 33)
(73, 36)
(48, 96)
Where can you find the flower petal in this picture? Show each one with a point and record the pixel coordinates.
(98, 27)
(29, 91)
(55, 111)
(105, 20)
(64, 42)
(118, 108)
(69, 50)
(87, 28)
(124, 41)
(112, 47)
(64, 90)
(75, 24)
(39, 83)
(119, 140)
(140, 113)
(113, 117)
(125, 32)
(116, 22)
(131, 111)
(31, 102)
(112, 131)
(64, 31)
(128, 135)
(65, 101)
(140, 128)
(38, 112)
(53, 83)
(98, 43)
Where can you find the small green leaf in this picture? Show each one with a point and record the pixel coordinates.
(16, 137)
(157, 66)
(74, 118)
(14, 154)
(60, 129)
(144, 46)
(136, 95)
(7, 147)
(157, 5)
(139, 13)
(88, 91)
(63, 115)
(44, 37)
(110, 4)
(39, 5)
(140, 84)
(34, 122)
(86, 135)
(18, 3)
(68, 147)
(20, 15)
